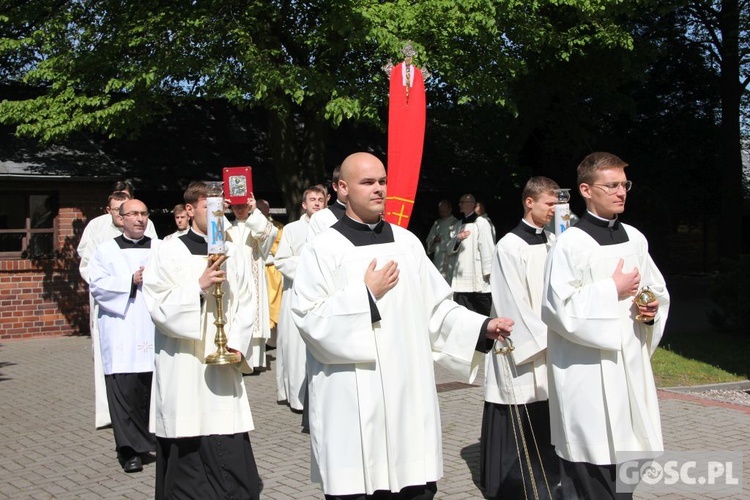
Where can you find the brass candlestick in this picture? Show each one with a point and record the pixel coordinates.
(217, 255)
(222, 356)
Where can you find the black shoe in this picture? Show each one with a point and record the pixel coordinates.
(133, 465)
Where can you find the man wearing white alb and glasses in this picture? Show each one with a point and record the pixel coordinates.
(126, 332)
(599, 343)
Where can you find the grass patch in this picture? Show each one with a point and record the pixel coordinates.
(697, 359)
(673, 370)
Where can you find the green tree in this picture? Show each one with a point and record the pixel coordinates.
(113, 67)
(722, 29)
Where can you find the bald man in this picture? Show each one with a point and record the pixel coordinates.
(473, 249)
(374, 312)
(126, 332)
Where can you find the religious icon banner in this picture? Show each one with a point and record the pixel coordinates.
(238, 184)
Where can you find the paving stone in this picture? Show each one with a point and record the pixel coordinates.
(49, 448)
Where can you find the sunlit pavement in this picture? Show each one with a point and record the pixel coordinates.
(49, 448)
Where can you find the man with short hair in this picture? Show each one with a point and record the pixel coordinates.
(98, 230)
(440, 238)
(201, 413)
(374, 313)
(126, 332)
(181, 220)
(602, 394)
(124, 185)
(473, 248)
(515, 389)
(290, 349)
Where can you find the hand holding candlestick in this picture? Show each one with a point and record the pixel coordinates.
(222, 356)
(214, 274)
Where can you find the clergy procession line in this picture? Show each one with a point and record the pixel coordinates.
(357, 313)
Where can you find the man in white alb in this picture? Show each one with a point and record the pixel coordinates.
(516, 409)
(254, 234)
(473, 248)
(126, 332)
(374, 313)
(602, 392)
(181, 220)
(200, 413)
(98, 230)
(290, 349)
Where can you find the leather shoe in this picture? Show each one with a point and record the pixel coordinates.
(133, 465)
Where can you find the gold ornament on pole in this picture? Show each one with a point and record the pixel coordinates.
(643, 298)
(217, 252)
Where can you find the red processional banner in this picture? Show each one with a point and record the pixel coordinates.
(406, 123)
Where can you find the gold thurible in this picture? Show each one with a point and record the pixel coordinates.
(222, 356)
(644, 297)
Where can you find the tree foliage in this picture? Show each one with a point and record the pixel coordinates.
(722, 29)
(113, 67)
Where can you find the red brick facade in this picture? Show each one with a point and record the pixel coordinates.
(45, 296)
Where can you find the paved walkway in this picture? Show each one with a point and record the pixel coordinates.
(49, 449)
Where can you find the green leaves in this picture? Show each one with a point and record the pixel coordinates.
(101, 65)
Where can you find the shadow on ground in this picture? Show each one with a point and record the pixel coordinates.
(3, 364)
(470, 455)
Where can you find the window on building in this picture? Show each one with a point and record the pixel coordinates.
(28, 224)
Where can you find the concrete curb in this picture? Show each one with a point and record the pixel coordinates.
(743, 385)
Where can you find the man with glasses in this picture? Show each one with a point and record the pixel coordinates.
(473, 247)
(98, 230)
(602, 392)
(126, 333)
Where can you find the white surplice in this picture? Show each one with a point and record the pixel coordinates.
(176, 234)
(602, 392)
(190, 398)
(255, 237)
(473, 256)
(97, 231)
(517, 281)
(374, 416)
(320, 221)
(126, 331)
(291, 348)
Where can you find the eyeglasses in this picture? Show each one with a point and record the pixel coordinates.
(614, 187)
(135, 214)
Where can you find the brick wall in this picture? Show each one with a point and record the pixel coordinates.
(46, 296)
(41, 299)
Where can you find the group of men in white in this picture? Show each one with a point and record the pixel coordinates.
(150, 315)
(364, 314)
(573, 385)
